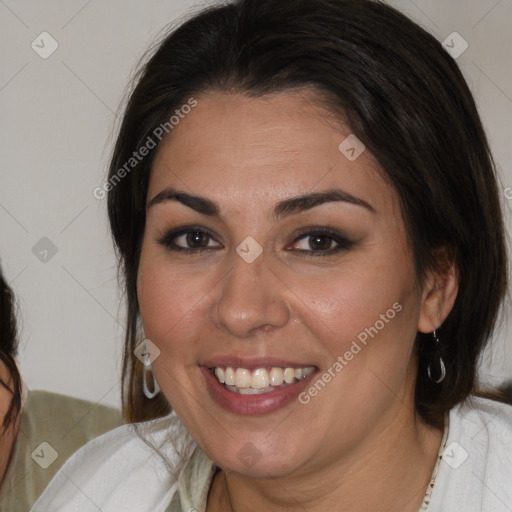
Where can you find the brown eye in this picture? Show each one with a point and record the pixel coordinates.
(197, 239)
(189, 239)
(320, 242)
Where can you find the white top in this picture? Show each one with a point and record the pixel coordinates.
(120, 471)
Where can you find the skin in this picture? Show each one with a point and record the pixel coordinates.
(358, 445)
(8, 436)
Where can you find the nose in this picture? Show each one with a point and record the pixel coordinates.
(250, 299)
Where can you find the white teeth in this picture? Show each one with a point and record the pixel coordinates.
(307, 371)
(276, 377)
(259, 380)
(242, 378)
(289, 375)
(219, 372)
(229, 376)
(250, 391)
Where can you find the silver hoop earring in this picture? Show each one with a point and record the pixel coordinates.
(440, 363)
(146, 372)
(145, 358)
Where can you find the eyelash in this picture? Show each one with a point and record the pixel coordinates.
(168, 240)
(343, 243)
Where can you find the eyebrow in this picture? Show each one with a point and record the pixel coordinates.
(282, 209)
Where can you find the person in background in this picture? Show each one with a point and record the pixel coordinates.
(39, 430)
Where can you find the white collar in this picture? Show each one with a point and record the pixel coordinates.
(120, 470)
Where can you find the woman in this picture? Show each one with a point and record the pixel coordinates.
(308, 224)
(39, 430)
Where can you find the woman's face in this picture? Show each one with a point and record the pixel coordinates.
(268, 246)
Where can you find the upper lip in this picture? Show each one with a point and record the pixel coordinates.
(251, 363)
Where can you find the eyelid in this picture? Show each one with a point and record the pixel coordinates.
(323, 230)
(170, 235)
(343, 242)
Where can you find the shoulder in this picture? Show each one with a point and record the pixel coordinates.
(69, 413)
(475, 472)
(134, 467)
(486, 423)
(52, 428)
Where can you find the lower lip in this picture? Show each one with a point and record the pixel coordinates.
(253, 404)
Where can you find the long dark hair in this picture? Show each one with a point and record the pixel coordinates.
(8, 350)
(399, 92)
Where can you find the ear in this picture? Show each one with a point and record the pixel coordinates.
(440, 289)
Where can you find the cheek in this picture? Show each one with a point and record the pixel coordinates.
(172, 303)
(366, 329)
(365, 311)
(351, 298)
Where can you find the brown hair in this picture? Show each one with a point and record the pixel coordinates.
(399, 92)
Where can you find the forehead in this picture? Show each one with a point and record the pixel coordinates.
(260, 150)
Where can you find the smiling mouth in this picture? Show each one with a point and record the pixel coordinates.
(258, 381)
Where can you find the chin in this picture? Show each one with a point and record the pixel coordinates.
(257, 459)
